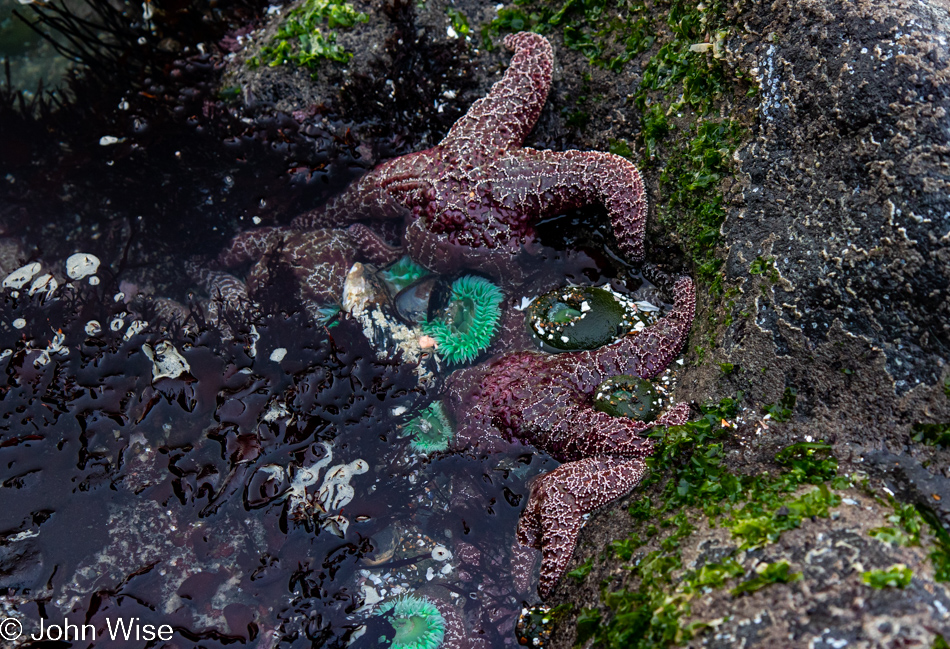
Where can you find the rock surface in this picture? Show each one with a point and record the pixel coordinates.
(835, 274)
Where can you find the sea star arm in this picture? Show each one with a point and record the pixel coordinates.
(545, 183)
(250, 246)
(372, 245)
(437, 252)
(362, 199)
(554, 514)
(648, 352)
(505, 116)
(577, 431)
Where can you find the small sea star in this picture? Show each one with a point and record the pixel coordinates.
(547, 400)
(473, 199)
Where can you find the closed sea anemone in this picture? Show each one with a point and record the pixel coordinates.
(431, 431)
(628, 396)
(469, 321)
(578, 317)
(402, 273)
(417, 622)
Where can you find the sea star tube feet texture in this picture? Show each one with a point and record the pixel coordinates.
(473, 200)
(547, 401)
(319, 259)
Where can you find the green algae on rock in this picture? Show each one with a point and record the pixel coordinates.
(417, 622)
(628, 396)
(467, 325)
(299, 39)
(578, 317)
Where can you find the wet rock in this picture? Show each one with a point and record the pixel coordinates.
(835, 272)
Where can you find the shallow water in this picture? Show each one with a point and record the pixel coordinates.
(124, 497)
(171, 501)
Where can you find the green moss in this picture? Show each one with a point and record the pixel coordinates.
(625, 548)
(693, 206)
(609, 37)
(933, 434)
(300, 38)
(773, 573)
(713, 576)
(890, 535)
(764, 266)
(582, 570)
(621, 148)
(940, 554)
(940, 643)
(588, 621)
(897, 576)
(459, 21)
(782, 411)
(755, 509)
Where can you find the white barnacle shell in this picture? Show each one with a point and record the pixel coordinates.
(45, 283)
(336, 492)
(166, 361)
(93, 327)
(135, 327)
(22, 275)
(81, 264)
(441, 553)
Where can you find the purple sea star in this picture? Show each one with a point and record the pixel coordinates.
(547, 400)
(473, 199)
(319, 259)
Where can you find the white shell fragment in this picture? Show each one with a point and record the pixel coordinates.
(136, 326)
(44, 283)
(19, 323)
(167, 363)
(336, 492)
(81, 264)
(93, 327)
(22, 275)
(108, 140)
(278, 354)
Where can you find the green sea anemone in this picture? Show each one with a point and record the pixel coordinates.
(578, 317)
(402, 273)
(469, 321)
(628, 396)
(431, 431)
(417, 622)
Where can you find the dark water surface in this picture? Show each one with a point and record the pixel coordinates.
(124, 497)
(171, 501)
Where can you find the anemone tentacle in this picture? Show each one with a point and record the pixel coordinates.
(470, 320)
(417, 621)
